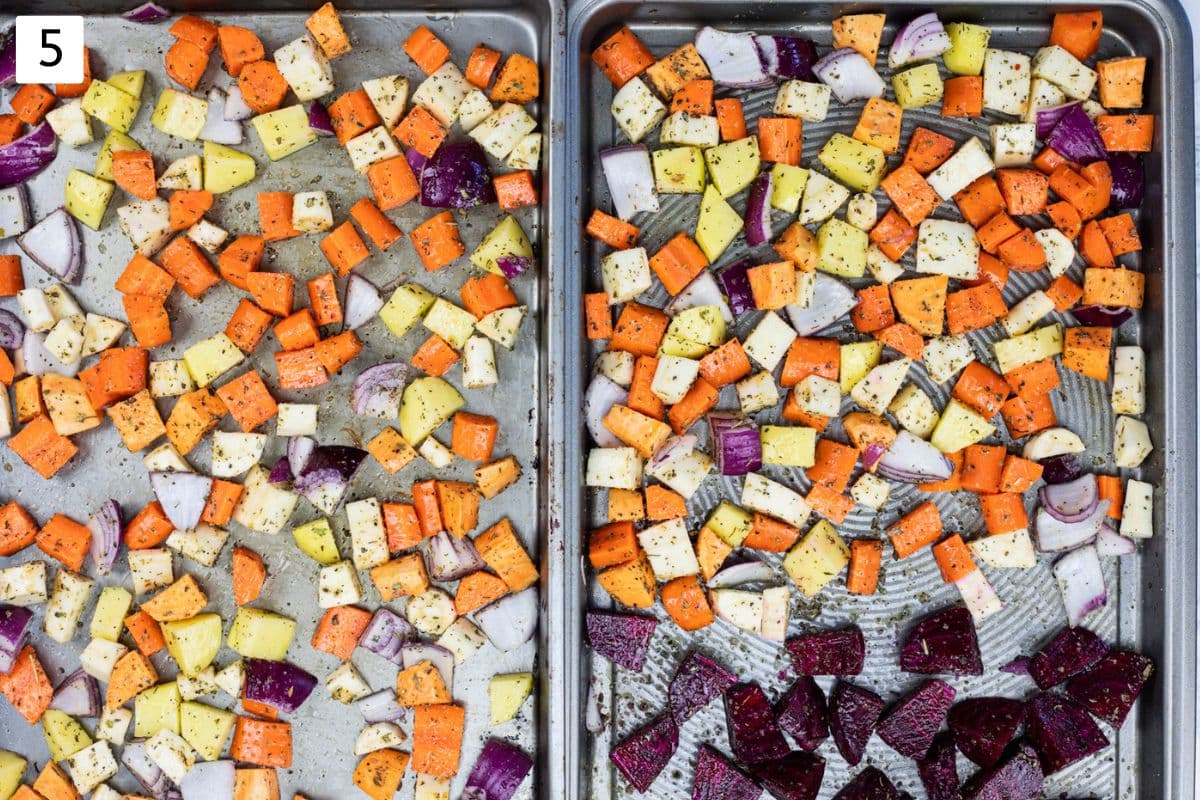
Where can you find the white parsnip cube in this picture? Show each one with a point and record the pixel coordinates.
(338, 585)
(1006, 77)
(636, 109)
(1027, 313)
(1013, 143)
(614, 468)
(757, 392)
(389, 95)
(311, 212)
(625, 274)
(944, 356)
(970, 161)
(374, 145)
(170, 378)
(503, 130)
(690, 129)
(1129, 380)
(945, 247)
(807, 101)
(473, 109)
(296, 419)
(24, 584)
(442, 92)
(305, 68)
(769, 341)
(769, 497)
(818, 395)
(673, 377)
(914, 410)
(1068, 73)
(669, 548)
(870, 491)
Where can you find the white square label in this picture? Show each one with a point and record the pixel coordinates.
(49, 50)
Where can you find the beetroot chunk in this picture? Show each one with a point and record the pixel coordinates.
(1061, 730)
(870, 784)
(836, 652)
(911, 724)
(697, 681)
(803, 714)
(753, 734)
(939, 769)
(621, 638)
(1017, 777)
(1070, 652)
(853, 712)
(1109, 689)
(796, 776)
(983, 727)
(943, 642)
(646, 752)
(718, 779)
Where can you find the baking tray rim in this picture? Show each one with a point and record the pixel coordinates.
(1178, 659)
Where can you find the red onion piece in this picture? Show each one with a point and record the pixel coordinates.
(14, 211)
(1075, 137)
(281, 472)
(54, 245)
(1047, 118)
(1102, 316)
(8, 59)
(1081, 583)
(12, 330)
(451, 558)
(362, 302)
(737, 286)
(499, 771)
(277, 683)
(736, 443)
(327, 475)
(849, 76)
(601, 395)
(510, 621)
(1111, 543)
(148, 13)
(630, 179)
(1128, 180)
(457, 176)
(217, 126)
(39, 361)
(1053, 535)
(23, 158)
(318, 119)
(702, 291)
(872, 454)
(733, 58)
(299, 449)
(913, 460)
(918, 40)
(831, 300)
(512, 266)
(380, 706)
(1073, 501)
(414, 653)
(182, 495)
(106, 528)
(745, 572)
(377, 390)
(78, 695)
(235, 105)
(14, 634)
(386, 634)
(416, 160)
(787, 57)
(758, 211)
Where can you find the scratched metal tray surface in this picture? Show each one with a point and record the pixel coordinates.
(1151, 596)
(323, 729)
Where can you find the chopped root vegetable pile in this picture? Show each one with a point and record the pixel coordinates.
(463, 139)
(857, 357)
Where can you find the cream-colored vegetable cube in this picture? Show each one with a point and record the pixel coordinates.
(768, 342)
(879, 387)
(1027, 313)
(170, 378)
(738, 607)
(1013, 143)
(818, 395)
(502, 325)
(442, 93)
(368, 537)
(1137, 514)
(405, 307)
(91, 766)
(614, 468)
(1129, 380)
(761, 494)
(374, 145)
(35, 308)
(99, 658)
(179, 114)
(856, 360)
(113, 725)
(1131, 442)
(311, 212)
(170, 753)
(264, 506)
(70, 595)
(1060, 252)
(1045, 342)
(871, 491)
(807, 101)
(388, 94)
(203, 544)
(673, 377)
(296, 419)
(1042, 95)
(822, 198)
(479, 364)
(70, 124)
(943, 356)
(305, 68)
(65, 339)
(694, 130)
(1012, 550)
(527, 154)
(669, 548)
(503, 130)
(945, 247)
(1006, 77)
(346, 684)
(182, 173)
(151, 569)
(24, 584)
(816, 559)
(473, 109)
(625, 274)
(882, 268)
(756, 392)
(431, 612)
(960, 426)
(452, 323)
(1068, 73)
(194, 642)
(338, 585)
(636, 109)
(970, 161)
(234, 452)
(284, 131)
(862, 211)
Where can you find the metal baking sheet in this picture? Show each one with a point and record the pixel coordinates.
(1152, 596)
(323, 729)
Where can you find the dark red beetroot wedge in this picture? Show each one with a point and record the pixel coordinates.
(983, 726)
(1109, 689)
(621, 638)
(911, 724)
(753, 734)
(853, 712)
(802, 713)
(718, 779)
(796, 776)
(939, 769)
(870, 784)
(836, 652)
(1061, 730)
(1018, 776)
(1070, 652)
(646, 751)
(943, 642)
(697, 681)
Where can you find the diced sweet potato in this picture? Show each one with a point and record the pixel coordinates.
(983, 726)
(697, 681)
(621, 638)
(853, 712)
(1061, 730)
(943, 642)
(910, 725)
(753, 734)
(1070, 652)
(646, 751)
(835, 652)
(1109, 689)
(803, 714)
